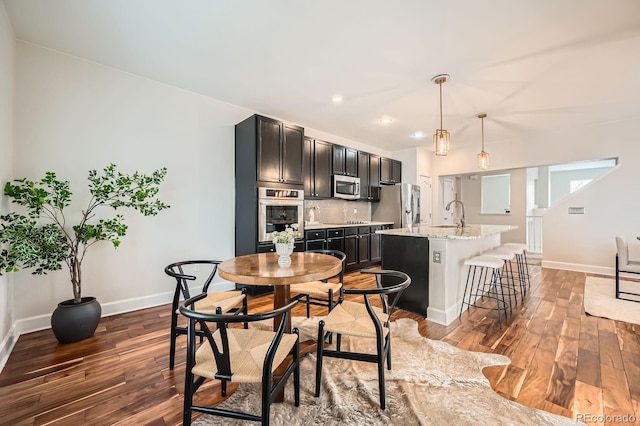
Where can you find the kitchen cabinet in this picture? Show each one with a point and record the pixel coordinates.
(376, 244)
(351, 248)
(363, 174)
(374, 178)
(325, 239)
(335, 239)
(357, 246)
(268, 153)
(317, 168)
(390, 171)
(315, 239)
(280, 150)
(364, 245)
(369, 174)
(345, 161)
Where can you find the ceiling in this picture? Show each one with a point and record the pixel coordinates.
(531, 65)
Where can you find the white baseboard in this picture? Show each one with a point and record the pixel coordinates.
(41, 322)
(577, 267)
(7, 346)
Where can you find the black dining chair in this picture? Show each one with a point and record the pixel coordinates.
(227, 301)
(235, 354)
(321, 293)
(364, 320)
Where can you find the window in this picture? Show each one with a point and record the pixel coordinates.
(496, 197)
(574, 185)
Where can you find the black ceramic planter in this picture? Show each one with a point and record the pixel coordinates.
(72, 322)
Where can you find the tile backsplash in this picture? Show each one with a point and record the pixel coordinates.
(337, 211)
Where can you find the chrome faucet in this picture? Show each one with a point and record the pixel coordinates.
(448, 207)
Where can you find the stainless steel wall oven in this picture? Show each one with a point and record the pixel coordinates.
(277, 209)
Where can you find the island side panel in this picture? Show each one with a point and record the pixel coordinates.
(411, 256)
(448, 278)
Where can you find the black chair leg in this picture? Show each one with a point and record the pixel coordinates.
(223, 388)
(308, 304)
(319, 360)
(296, 374)
(338, 341)
(381, 388)
(617, 279)
(388, 351)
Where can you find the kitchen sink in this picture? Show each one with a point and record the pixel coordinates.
(444, 226)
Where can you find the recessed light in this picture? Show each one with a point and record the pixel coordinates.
(418, 135)
(336, 99)
(385, 120)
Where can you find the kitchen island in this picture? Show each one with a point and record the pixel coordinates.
(434, 256)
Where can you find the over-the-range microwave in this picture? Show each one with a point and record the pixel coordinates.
(346, 187)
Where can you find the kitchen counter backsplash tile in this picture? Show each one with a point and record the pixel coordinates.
(337, 211)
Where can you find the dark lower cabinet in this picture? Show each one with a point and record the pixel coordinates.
(335, 239)
(411, 256)
(351, 248)
(359, 243)
(376, 241)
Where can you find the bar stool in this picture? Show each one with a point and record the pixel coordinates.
(523, 266)
(484, 286)
(506, 255)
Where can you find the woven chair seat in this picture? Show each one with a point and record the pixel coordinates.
(353, 319)
(247, 351)
(316, 288)
(225, 300)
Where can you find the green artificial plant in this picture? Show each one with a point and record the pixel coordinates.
(42, 239)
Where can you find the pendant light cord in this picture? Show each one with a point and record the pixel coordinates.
(440, 84)
(482, 122)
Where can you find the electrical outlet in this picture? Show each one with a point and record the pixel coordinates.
(437, 257)
(355, 211)
(196, 268)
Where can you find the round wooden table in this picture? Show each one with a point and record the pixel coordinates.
(263, 269)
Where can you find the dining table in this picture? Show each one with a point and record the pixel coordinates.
(264, 269)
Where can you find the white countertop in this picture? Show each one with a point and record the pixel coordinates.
(319, 225)
(469, 232)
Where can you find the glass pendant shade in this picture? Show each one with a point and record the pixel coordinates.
(483, 160)
(441, 137)
(483, 157)
(441, 142)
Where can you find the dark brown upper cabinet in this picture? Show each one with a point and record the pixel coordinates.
(390, 171)
(345, 161)
(374, 178)
(317, 168)
(363, 174)
(280, 150)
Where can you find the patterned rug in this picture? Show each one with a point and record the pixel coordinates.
(600, 299)
(431, 383)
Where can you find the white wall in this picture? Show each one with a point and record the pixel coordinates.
(7, 50)
(560, 181)
(73, 115)
(612, 203)
(470, 190)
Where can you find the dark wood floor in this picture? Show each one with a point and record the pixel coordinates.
(563, 361)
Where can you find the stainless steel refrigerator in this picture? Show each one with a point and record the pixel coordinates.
(398, 203)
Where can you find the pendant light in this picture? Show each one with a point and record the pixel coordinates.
(441, 137)
(483, 157)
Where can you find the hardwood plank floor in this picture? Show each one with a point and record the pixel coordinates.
(563, 361)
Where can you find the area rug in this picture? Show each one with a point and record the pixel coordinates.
(600, 299)
(431, 383)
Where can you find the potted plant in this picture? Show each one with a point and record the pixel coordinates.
(40, 237)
